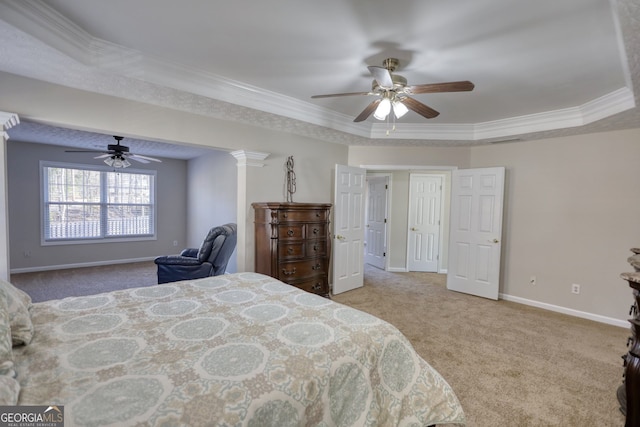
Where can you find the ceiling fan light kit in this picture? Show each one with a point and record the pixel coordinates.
(116, 161)
(392, 92)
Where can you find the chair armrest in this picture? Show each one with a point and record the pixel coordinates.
(190, 252)
(176, 260)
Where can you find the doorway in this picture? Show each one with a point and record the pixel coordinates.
(485, 205)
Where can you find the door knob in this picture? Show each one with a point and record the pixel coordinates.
(494, 241)
(339, 237)
(414, 229)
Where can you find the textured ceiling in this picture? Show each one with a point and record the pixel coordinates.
(541, 69)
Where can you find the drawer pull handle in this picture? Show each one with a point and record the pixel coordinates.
(289, 251)
(290, 232)
(318, 214)
(315, 231)
(315, 248)
(284, 214)
(316, 267)
(317, 286)
(289, 272)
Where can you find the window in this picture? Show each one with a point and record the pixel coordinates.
(83, 203)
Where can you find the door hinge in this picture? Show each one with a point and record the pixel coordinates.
(386, 187)
(384, 254)
(385, 220)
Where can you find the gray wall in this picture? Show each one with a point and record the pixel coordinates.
(24, 212)
(212, 196)
(571, 213)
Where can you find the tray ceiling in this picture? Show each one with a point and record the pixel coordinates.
(540, 68)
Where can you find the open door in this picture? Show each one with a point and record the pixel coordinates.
(348, 228)
(476, 231)
(376, 221)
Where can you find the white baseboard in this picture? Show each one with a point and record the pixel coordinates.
(397, 270)
(569, 311)
(78, 265)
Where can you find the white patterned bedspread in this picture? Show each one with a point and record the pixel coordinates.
(234, 350)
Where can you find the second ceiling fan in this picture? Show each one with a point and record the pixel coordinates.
(393, 92)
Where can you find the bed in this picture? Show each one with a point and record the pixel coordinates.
(236, 350)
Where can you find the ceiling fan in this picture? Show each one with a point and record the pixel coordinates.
(393, 92)
(117, 155)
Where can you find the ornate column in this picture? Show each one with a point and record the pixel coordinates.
(7, 121)
(245, 247)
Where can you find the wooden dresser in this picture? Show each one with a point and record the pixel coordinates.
(293, 244)
(629, 392)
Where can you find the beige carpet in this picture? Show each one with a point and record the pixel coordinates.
(510, 364)
(58, 284)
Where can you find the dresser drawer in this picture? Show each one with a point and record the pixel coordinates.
(316, 248)
(291, 250)
(302, 215)
(294, 270)
(317, 285)
(315, 231)
(290, 231)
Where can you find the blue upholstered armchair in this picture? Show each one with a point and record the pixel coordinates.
(192, 263)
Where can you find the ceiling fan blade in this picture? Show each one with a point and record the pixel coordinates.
(83, 151)
(420, 108)
(341, 94)
(382, 76)
(463, 86)
(138, 159)
(103, 156)
(367, 111)
(143, 159)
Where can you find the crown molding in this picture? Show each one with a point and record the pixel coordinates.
(41, 21)
(605, 106)
(46, 24)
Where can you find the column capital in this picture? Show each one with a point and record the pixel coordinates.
(249, 158)
(7, 121)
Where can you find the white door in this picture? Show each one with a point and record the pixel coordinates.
(348, 228)
(376, 221)
(476, 231)
(425, 199)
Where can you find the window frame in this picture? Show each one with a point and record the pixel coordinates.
(103, 204)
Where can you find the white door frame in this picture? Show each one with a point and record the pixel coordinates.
(389, 204)
(441, 225)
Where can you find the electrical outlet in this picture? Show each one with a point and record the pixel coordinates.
(27, 253)
(575, 288)
(175, 243)
(532, 280)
